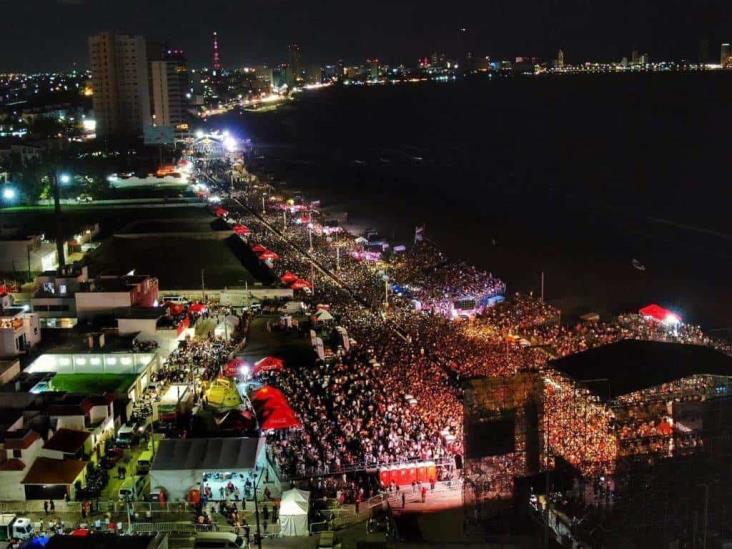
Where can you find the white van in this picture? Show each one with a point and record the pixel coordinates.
(217, 540)
(126, 436)
(177, 299)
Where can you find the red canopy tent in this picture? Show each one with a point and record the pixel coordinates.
(233, 367)
(174, 308)
(241, 230)
(221, 212)
(656, 312)
(197, 307)
(258, 249)
(269, 364)
(288, 277)
(269, 254)
(301, 284)
(273, 410)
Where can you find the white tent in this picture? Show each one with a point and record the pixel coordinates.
(294, 512)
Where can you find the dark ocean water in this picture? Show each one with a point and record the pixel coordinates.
(573, 176)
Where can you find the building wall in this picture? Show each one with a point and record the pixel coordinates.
(120, 82)
(89, 304)
(11, 488)
(168, 92)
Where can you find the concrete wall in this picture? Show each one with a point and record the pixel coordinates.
(11, 488)
(146, 326)
(92, 303)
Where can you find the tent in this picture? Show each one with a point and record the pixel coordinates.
(258, 249)
(197, 307)
(268, 364)
(221, 212)
(294, 512)
(323, 316)
(288, 277)
(269, 254)
(301, 284)
(658, 313)
(273, 410)
(234, 367)
(241, 230)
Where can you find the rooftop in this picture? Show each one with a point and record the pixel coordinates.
(113, 283)
(54, 471)
(20, 440)
(207, 454)
(633, 365)
(67, 441)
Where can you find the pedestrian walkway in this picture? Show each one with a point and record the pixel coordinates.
(409, 499)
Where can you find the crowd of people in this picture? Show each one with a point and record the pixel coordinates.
(396, 394)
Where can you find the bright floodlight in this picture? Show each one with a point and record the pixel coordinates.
(199, 134)
(9, 193)
(65, 179)
(244, 370)
(230, 144)
(672, 319)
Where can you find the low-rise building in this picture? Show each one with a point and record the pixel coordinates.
(19, 331)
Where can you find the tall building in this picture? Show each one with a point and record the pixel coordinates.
(294, 64)
(216, 54)
(560, 59)
(725, 58)
(120, 82)
(169, 84)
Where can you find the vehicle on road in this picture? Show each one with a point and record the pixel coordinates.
(126, 436)
(134, 489)
(144, 462)
(15, 527)
(112, 455)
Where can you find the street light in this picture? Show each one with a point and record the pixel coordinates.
(64, 179)
(9, 193)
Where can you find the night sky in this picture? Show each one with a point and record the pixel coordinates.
(51, 34)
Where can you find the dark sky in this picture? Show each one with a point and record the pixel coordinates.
(51, 34)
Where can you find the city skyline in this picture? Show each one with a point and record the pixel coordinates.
(260, 32)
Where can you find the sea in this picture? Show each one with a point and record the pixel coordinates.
(615, 186)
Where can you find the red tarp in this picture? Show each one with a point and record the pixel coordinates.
(184, 324)
(656, 312)
(288, 277)
(233, 367)
(197, 307)
(272, 409)
(174, 308)
(268, 255)
(258, 249)
(301, 284)
(221, 212)
(269, 364)
(241, 230)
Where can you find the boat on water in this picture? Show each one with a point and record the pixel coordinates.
(223, 395)
(638, 265)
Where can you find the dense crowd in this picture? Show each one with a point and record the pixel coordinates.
(396, 394)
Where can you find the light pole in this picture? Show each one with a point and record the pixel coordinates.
(258, 535)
